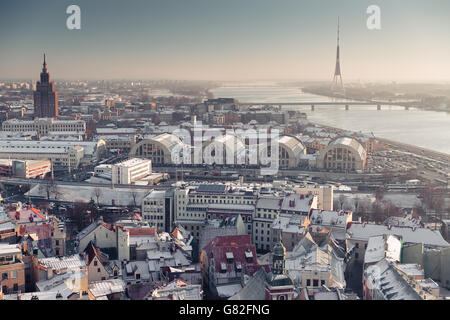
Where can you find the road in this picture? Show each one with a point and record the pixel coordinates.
(19, 181)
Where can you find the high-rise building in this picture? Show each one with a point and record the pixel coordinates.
(45, 96)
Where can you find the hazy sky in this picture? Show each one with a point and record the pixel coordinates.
(226, 39)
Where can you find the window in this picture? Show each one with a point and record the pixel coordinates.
(308, 282)
(315, 283)
(98, 269)
(322, 282)
(95, 263)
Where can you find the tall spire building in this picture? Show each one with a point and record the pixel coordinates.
(45, 96)
(338, 84)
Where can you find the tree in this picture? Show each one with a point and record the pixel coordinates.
(50, 188)
(341, 201)
(391, 209)
(378, 206)
(92, 210)
(361, 209)
(97, 194)
(79, 214)
(134, 194)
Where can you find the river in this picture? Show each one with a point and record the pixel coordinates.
(426, 129)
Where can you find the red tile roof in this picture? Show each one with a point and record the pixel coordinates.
(142, 231)
(238, 245)
(42, 231)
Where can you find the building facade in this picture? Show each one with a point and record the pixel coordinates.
(12, 269)
(45, 96)
(45, 126)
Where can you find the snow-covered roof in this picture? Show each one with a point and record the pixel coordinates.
(363, 231)
(63, 263)
(381, 247)
(330, 218)
(298, 203)
(387, 282)
(107, 287)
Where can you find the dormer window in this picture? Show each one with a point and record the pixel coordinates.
(248, 256)
(230, 257)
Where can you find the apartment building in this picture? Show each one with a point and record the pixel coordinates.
(131, 170)
(269, 208)
(44, 126)
(157, 209)
(324, 195)
(12, 269)
(192, 203)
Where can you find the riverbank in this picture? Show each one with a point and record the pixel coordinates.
(422, 130)
(401, 146)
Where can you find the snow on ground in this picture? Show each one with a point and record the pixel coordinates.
(121, 196)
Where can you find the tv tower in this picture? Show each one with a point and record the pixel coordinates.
(337, 84)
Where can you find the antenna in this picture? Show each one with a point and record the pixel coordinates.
(338, 31)
(337, 79)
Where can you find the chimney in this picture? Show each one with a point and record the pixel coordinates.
(49, 273)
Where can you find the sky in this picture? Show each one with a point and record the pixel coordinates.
(226, 40)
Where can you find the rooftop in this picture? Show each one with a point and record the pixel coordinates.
(363, 231)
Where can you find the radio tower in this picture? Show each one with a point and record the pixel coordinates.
(338, 84)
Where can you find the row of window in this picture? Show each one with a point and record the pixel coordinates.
(9, 275)
(315, 282)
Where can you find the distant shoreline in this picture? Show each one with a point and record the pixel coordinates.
(407, 147)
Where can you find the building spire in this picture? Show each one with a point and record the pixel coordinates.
(45, 64)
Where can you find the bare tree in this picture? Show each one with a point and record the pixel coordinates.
(80, 215)
(97, 194)
(134, 194)
(341, 201)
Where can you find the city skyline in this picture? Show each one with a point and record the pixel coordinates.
(204, 40)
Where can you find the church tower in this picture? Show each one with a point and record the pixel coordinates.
(279, 258)
(280, 285)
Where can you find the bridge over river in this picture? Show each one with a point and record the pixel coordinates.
(315, 104)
